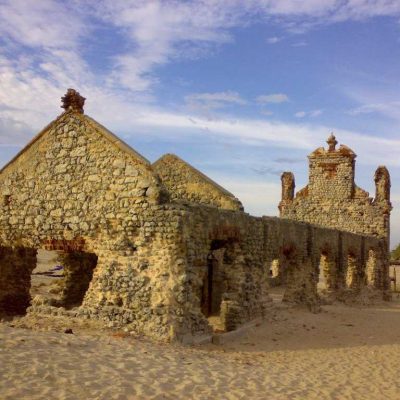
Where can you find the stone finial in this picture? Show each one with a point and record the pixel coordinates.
(73, 101)
(332, 142)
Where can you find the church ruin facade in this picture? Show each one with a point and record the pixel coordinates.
(159, 248)
(332, 198)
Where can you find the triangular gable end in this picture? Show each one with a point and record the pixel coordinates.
(104, 132)
(185, 182)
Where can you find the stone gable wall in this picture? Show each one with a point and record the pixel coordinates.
(72, 182)
(185, 183)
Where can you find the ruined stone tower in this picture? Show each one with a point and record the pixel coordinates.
(332, 199)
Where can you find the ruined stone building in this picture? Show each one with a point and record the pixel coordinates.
(332, 198)
(160, 248)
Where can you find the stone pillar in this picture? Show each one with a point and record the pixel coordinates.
(382, 199)
(372, 270)
(352, 272)
(78, 273)
(328, 271)
(382, 184)
(288, 186)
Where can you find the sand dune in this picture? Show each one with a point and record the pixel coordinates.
(341, 353)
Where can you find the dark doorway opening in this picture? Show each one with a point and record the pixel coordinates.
(215, 279)
(212, 290)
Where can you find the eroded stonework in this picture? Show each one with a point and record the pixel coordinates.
(159, 249)
(332, 199)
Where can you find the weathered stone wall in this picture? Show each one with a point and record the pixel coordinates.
(251, 245)
(185, 183)
(332, 198)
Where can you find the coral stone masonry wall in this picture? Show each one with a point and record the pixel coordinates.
(332, 199)
(186, 183)
(162, 250)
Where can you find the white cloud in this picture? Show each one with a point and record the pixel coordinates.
(273, 40)
(267, 113)
(312, 114)
(272, 98)
(43, 24)
(159, 32)
(118, 116)
(219, 97)
(300, 114)
(302, 43)
(207, 102)
(331, 10)
(315, 113)
(156, 32)
(390, 109)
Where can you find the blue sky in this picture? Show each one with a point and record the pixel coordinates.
(243, 90)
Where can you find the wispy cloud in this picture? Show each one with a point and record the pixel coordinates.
(206, 102)
(390, 109)
(267, 113)
(267, 170)
(274, 98)
(38, 24)
(302, 43)
(371, 150)
(312, 114)
(300, 114)
(288, 160)
(160, 31)
(273, 40)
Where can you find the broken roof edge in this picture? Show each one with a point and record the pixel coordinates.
(114, 139)
(196, 171)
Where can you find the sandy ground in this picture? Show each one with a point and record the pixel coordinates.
(341, 353)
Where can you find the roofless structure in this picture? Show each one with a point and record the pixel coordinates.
(160, 249)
